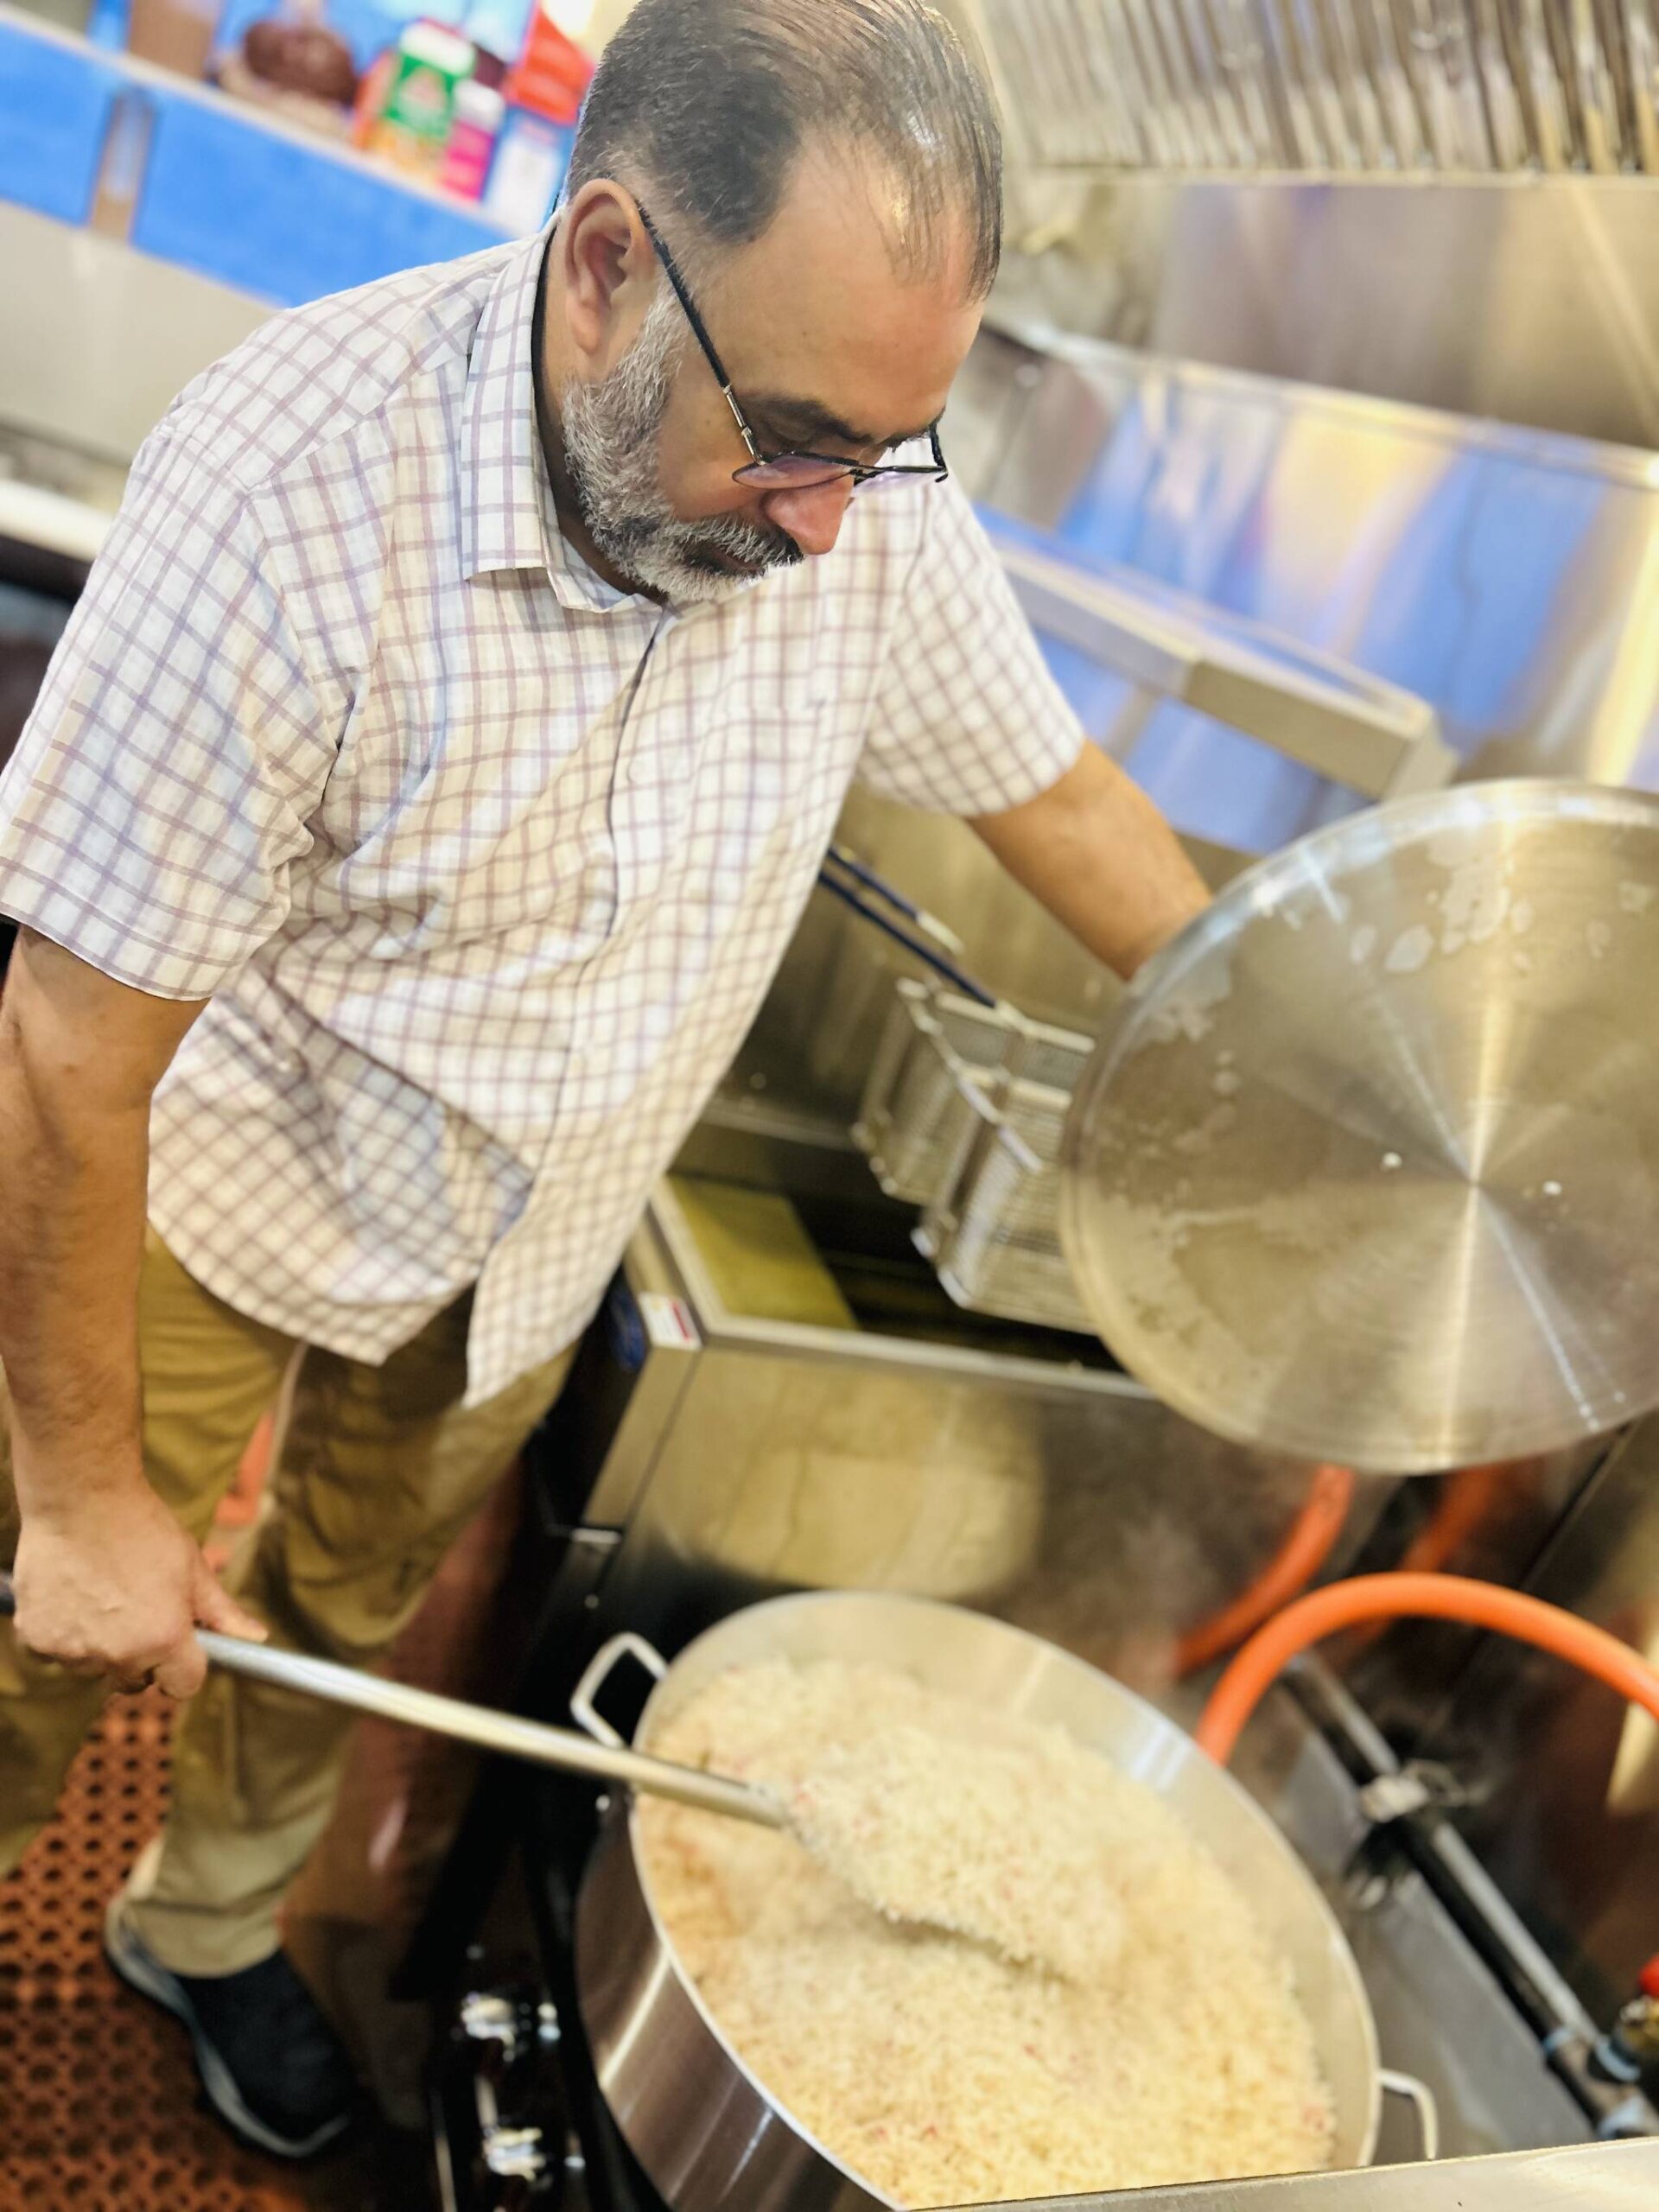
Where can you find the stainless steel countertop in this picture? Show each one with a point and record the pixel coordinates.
(1587, 2177)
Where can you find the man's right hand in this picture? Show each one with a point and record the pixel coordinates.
(118, 1588)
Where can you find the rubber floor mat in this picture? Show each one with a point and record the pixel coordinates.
(99, 2108)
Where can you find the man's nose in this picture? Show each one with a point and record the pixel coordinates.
(812, 516)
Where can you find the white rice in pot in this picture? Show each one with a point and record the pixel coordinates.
(1170, 2047)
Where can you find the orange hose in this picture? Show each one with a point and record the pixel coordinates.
(1428, 1597)
(1299, 1559)
(1463, 1506)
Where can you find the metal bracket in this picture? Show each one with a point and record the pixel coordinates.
(1344, 723)
(1420, 1787)
(1405, 1809)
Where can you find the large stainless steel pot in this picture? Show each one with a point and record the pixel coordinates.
(700, 2124)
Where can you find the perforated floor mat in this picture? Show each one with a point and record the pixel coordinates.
(99, 2108)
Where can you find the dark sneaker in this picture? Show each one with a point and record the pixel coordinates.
(273, 2068)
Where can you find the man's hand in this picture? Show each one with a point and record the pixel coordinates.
(121, 1592)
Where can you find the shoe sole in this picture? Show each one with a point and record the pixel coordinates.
(133, 1965)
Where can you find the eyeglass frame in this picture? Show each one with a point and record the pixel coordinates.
(860, 472)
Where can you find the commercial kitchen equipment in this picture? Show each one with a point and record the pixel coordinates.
(708, 1456)
(1348, 88)
(966, 1098)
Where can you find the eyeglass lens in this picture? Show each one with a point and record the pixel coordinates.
(801, 473)
(790, 471)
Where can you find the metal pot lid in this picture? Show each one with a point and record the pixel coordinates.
(1367, 1167)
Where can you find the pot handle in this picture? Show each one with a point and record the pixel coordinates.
(598, 1671)
(1423, 2100)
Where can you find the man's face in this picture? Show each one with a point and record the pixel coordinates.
(830, 348)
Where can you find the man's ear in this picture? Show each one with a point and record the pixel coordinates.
(609, 270)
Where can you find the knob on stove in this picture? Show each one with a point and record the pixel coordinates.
(487, 2017)
(513, 2022)
(515, 2153)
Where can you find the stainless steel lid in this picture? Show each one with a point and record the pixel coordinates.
(1367, 1167)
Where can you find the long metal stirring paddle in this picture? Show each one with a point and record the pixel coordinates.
(563, 1748)
(850, 1850)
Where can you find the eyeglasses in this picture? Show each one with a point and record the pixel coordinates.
(789, 472)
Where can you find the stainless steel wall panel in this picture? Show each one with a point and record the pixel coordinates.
(1510, 579)
(1501, 296)
(1082, 1512)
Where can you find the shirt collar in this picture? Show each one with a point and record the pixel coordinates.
(508, 517)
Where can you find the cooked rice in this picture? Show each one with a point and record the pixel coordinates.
(940, 2071)
(936, 1831)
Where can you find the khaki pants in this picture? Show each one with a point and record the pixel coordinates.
(378, 1471)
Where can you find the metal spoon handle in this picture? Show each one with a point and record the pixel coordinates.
(563, 1748)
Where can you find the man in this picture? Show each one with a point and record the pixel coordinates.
(414, 816)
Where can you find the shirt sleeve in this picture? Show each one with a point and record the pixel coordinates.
(160, 789)
(967, 719)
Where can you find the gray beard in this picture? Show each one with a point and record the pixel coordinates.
(611, 433)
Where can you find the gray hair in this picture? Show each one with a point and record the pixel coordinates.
(708, 104)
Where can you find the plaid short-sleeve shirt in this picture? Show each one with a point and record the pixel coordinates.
(484, 866)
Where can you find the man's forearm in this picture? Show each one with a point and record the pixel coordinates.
(80, 1056)
(1102, 859)
(107, 1581)
(73, 1173)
